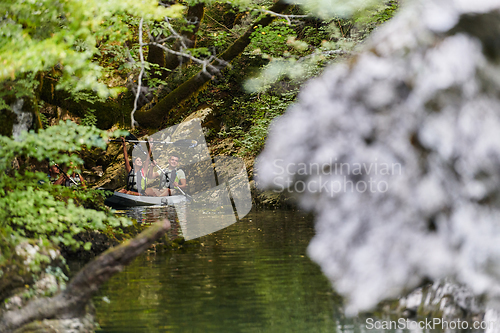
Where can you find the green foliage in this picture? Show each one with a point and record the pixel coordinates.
(294, 52)
(327, 9)
(295, 69)
(37, 35)
(89, 119)
(12, 90)
(314, 47)
(262, 110)
(386, 13)
(198, 52)
(221, 39)
(370, 20)
(315, 36)
(44, 120)
(113, 56)
(272, 39)
(154, 82)
(32, 208)
(50, 212)
(49, 143)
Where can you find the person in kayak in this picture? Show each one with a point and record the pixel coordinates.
(58, 176)
(173, 179)
(54, 174)
(137, 173)
(73, 178)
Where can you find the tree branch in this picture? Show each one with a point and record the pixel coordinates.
(141, 55)
(154, 117)
(287, 17)
(71, 302)
(187, 39)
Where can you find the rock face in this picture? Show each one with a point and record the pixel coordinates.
(441, 299)
(398, 154)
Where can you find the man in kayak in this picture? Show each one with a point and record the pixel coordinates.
(54, 175)
(173, 179)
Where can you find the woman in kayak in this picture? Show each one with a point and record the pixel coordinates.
(137, 178)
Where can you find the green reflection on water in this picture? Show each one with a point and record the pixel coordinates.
(253, 276)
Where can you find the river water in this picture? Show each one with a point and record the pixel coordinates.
(253, 276)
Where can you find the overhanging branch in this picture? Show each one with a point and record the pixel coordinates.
(71, 302)
(154, 117)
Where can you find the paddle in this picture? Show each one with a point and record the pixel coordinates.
(183, 143)
(184, 193)
(66, 175)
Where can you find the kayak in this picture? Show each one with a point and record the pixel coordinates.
(121, 200)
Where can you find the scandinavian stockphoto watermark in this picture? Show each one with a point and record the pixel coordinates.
(428, 324)
(334, 177)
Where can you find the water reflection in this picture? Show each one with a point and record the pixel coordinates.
(253, 276)
(151, 214)
(144, 214)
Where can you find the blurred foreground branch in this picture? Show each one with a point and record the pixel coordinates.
(71, 302)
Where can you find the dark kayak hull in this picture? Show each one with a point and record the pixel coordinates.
(123, 200)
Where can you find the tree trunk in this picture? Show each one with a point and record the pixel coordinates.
(157, 56)
(195, 13)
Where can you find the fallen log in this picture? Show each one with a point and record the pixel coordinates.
(72, 302)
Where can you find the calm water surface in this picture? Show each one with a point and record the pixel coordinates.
(253, 276)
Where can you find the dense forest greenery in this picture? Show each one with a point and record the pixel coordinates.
(142, 66)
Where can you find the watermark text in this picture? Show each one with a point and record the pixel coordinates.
(334, 177)
(428, 324)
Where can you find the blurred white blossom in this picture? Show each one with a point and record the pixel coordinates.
(423, 95)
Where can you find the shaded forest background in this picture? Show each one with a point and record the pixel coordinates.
(203, 59)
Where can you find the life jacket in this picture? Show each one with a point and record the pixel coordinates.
(132, 181)
(169, 179)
